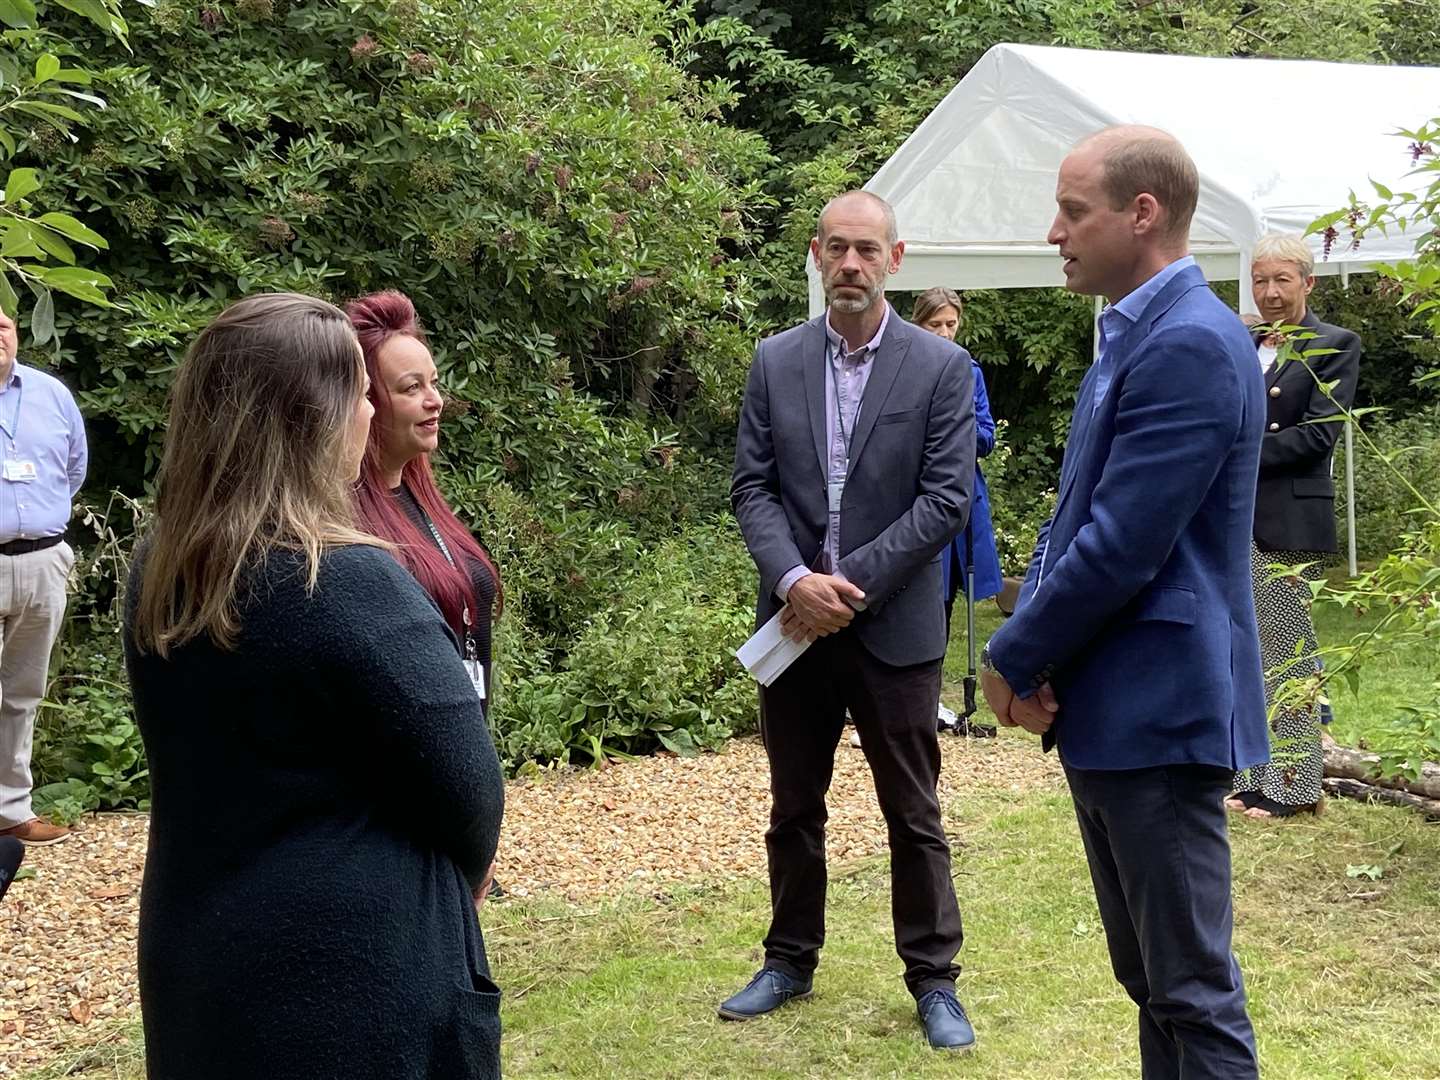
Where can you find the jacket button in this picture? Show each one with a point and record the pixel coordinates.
(1274, 391)
(1274, 426)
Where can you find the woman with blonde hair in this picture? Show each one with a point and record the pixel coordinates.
(325, 799)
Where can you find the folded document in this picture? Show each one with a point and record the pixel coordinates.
(769, 652)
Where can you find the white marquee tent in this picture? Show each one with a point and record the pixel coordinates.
(1277, 144)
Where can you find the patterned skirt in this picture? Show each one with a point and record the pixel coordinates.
(1287, 651)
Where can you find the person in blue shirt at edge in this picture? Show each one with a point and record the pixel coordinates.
(939, 311)
(1134, 645)
(44, 462)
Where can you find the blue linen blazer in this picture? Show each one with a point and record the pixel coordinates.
(1137, 606)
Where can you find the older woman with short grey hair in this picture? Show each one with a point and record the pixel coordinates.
(1294, 512)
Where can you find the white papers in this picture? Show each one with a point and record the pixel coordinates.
(769, 652)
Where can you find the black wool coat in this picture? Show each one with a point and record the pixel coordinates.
(324, 797)
(1295, 497)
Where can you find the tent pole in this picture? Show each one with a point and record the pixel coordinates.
(1349, 465)
(1095, 329)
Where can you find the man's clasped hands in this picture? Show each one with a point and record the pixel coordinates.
(818, 605)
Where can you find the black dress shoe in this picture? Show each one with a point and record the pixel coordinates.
(946, 1025)
(766, 992)
(12, 853)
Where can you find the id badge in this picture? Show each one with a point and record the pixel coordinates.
(22, 472)
(476, 671)
(836, 492)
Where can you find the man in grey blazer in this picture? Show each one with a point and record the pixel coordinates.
(854, 464)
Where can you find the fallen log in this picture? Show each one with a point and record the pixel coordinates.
(1354, 789)
(1342, 762)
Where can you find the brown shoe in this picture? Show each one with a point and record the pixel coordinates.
(37, 833)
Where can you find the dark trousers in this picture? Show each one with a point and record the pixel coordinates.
(1160, 860)
(801, 718)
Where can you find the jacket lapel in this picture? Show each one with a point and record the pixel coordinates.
(1278, 371)
(1079, 429)
(893, 347)
(1115, 353)
(813, 360)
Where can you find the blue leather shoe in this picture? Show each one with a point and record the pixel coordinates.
(766, 992)
(946, 1025)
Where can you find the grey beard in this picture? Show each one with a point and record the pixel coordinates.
(854, 307)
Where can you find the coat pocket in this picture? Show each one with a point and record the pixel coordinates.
(1313, 487)
(1167, 603)
(901, 417)
(473, 1052)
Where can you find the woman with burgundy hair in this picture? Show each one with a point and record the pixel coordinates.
(397, 498)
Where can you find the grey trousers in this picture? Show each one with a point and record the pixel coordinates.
(32, 606)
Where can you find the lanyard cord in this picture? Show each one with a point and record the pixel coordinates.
(832, 353)
(471, 651)
(14, 434)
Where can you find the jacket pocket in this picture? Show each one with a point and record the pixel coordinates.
(1167, 603)
(471, 1049)
(1313, 487)
(900, 417)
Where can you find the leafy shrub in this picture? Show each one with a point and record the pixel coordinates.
(88, 754)
(1385, 506)
(654, 669)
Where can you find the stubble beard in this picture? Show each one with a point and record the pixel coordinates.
(846, 306)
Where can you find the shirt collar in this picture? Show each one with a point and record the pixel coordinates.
(16, 369)
(870, 347)
(1133, 304)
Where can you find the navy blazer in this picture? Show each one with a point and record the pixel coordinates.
(1137, 607)
(912, 470)
(1295, 502)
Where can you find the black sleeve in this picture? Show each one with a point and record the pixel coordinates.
(386, 644)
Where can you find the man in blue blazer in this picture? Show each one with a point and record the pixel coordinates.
(1134, 645)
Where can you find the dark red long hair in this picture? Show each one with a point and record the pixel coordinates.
(377, 318)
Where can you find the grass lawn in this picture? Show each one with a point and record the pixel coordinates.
(1343, 970)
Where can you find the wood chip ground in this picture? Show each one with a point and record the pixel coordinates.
(67, 934)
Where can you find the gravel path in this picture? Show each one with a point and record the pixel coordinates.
(67, 935)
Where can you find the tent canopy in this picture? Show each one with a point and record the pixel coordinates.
(1277, 143)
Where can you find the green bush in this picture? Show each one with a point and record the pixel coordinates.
(1384, 505)
(655, 668)
(547, 182)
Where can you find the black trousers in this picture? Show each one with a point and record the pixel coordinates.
(1160, 861)
(802, 715)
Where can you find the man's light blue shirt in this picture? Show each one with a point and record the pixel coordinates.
(40, 425)
(1117, 318)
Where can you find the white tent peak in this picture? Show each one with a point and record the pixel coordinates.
(1277, 144)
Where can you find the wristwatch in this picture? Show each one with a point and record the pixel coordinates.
(986, 664)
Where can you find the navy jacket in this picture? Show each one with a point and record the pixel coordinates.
(1137, 607)
(1295, 501)
(988, 579)
(912, 468)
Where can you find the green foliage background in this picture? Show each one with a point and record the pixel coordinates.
(598, 206)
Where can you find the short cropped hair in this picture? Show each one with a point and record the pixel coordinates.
(1285, 247)
(892, 230)
(1149, 160)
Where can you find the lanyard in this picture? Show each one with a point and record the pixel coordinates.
(832, 353)
(12, 430)
(471, 652)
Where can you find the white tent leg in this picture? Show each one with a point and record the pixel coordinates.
(1095, 329)
(1349, 466)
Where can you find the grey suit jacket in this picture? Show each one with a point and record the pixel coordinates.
(912, 472)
